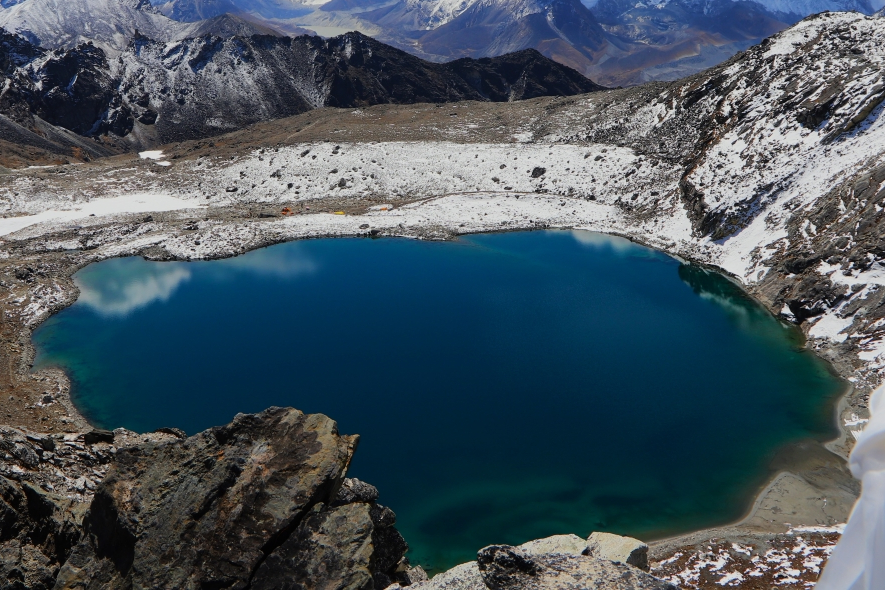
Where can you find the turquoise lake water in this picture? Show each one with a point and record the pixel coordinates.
(506, 386)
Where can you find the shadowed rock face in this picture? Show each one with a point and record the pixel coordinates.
(37, 533)
(70, 89)
(212, 85)
(245, 505)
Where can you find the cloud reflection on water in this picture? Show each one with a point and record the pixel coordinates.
(283, 262)
(616, 244)
(121, 286)
(116, 288)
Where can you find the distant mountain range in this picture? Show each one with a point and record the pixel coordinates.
(111, 24)
(156, 92)
(614, 42)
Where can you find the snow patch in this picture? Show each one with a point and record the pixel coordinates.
(138, 203)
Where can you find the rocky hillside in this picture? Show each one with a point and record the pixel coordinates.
(205, 86)
(617, 42)
(669, 40)
(159, 92)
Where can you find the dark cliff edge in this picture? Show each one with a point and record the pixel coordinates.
(261, 503)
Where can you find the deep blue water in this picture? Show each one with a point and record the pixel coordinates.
(506, 386)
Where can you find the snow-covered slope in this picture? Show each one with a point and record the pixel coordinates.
(438, 12)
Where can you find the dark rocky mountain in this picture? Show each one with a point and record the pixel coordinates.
(616, 42)
(492, 27)
(53, 99)
(158, 92)
(232, 25)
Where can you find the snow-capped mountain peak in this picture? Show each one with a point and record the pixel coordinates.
(67, 23)
(430, 14)
(111, 24)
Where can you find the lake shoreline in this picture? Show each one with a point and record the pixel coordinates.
(769, 498)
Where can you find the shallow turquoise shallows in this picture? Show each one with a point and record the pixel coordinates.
(506, 387)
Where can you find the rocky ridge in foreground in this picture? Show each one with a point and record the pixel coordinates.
(261, 503)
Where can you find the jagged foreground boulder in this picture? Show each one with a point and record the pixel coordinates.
(254, 504)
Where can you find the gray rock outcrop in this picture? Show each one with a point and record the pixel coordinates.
(254, 504)
(511, 568)
(565, 544)
(616, 548)
(560, 562)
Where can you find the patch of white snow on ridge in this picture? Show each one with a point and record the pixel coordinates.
(875, 275)
(155, 155)
(138, 203)
(831, 326)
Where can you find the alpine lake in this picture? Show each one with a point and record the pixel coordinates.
(506, 387)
